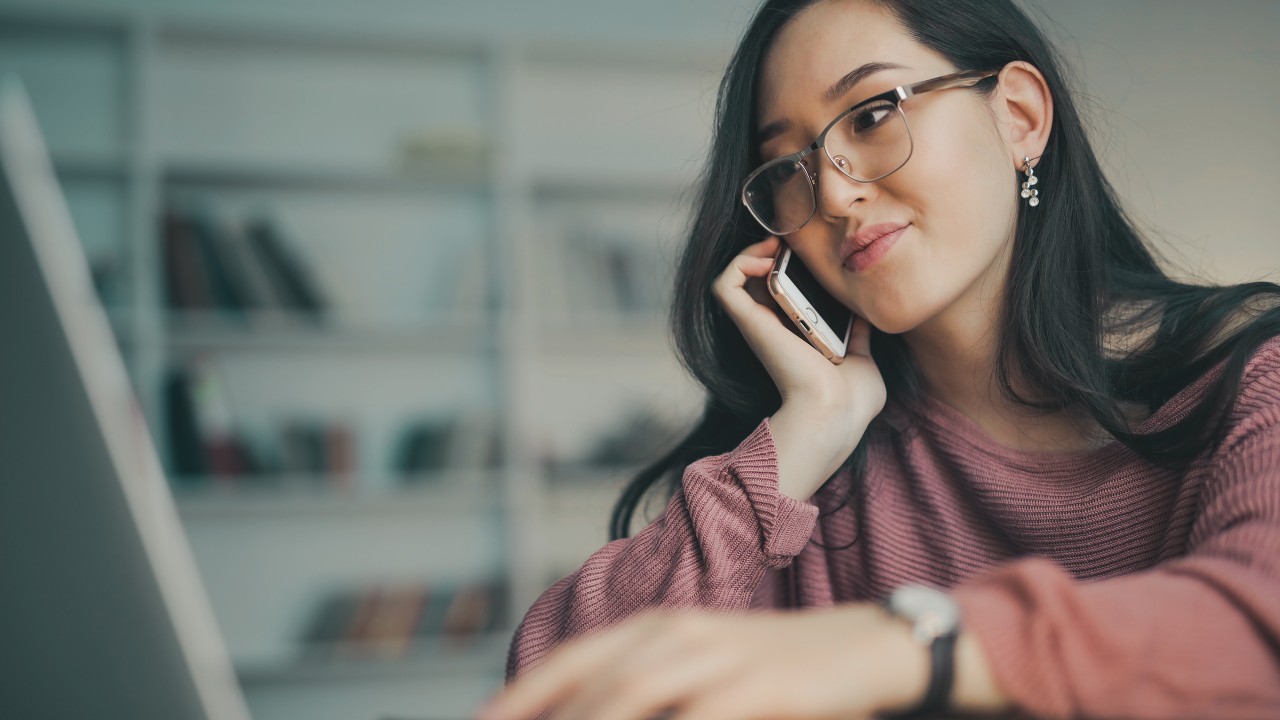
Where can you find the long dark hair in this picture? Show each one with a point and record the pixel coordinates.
(1079, 274)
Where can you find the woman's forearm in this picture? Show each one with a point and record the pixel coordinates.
(812, 442)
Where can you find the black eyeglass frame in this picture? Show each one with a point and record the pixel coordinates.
(964, 78)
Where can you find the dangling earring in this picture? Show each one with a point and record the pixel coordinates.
(1029, 192)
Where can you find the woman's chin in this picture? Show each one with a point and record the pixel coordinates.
(892, 324)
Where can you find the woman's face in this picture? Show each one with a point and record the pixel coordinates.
(957, 191)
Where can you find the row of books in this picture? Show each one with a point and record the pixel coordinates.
(469, 439)
(208, 445)
(639, 436)
(610, 272)
(392, 621)
(234, 265)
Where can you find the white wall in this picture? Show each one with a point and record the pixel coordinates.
(1186, 103)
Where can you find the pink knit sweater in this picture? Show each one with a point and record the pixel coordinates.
(1098, 584)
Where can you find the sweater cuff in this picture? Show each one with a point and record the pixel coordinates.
(994, 608)
(786, 524)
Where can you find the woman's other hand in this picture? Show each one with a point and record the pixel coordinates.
(847, 661)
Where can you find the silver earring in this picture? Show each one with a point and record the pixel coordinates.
(1031, 194)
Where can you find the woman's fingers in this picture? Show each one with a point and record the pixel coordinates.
(652, 686)
(562, 672)
(742, 290)
(797, 369)
(731, 287)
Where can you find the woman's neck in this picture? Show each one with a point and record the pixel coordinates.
(955, 355)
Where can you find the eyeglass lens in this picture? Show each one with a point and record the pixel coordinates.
(865, 145)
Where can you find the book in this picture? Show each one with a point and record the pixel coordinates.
(475, 441)
(351, 642)
(186, 453)
(216, 263)
(340, 455)
(253, 284)
(328, 623)
(294, 282)
(424, 447)
(186, 285)
(389, 621)
(389, 633)
(204, 440)
(637, 437)
(435, 607)
(225, 454)
(300, 453)
(224, 279)
(470, 613)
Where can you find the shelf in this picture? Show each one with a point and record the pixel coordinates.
(452, 494)
(583, 497)
(443, 177)
(598, 333)
(559, 185)
(486, 656)
(607, 333)
(652, 56)
(588, 334)
(434, 179)
(94, 166)
(304, 35)
(63, 20)
(574, 506)
(262, 330)
(579, 504)
(573, 477)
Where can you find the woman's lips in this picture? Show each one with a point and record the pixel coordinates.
(867, 256)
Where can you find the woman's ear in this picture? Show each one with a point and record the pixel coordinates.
(1025, 109)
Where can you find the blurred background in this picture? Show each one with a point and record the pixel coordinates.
(390, 279)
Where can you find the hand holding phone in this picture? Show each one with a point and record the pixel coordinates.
(848, 385)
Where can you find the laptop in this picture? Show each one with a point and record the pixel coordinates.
(102, 611)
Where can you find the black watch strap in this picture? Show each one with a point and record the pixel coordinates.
(942, 675)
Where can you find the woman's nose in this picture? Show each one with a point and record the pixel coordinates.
(836, 192)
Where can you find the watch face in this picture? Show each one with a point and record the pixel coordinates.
(932, 611)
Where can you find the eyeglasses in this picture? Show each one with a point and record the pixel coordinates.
(866, 142)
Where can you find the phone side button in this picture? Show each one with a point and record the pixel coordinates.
(812, 315)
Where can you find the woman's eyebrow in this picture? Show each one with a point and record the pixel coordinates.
(837, 90)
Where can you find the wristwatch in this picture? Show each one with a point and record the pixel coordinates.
(935, 623)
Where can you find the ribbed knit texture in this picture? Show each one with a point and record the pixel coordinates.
(1098, 584)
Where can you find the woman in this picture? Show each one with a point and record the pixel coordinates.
(1078, 454)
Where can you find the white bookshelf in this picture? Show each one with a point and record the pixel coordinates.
(343, 135)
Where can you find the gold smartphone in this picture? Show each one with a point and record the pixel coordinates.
(823, 320)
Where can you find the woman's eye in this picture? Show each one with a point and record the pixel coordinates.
(868, 118)
(783, 171)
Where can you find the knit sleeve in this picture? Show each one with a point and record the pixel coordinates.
(726, 526)
(1196, 636)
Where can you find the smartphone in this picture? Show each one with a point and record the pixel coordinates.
(821, 318)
